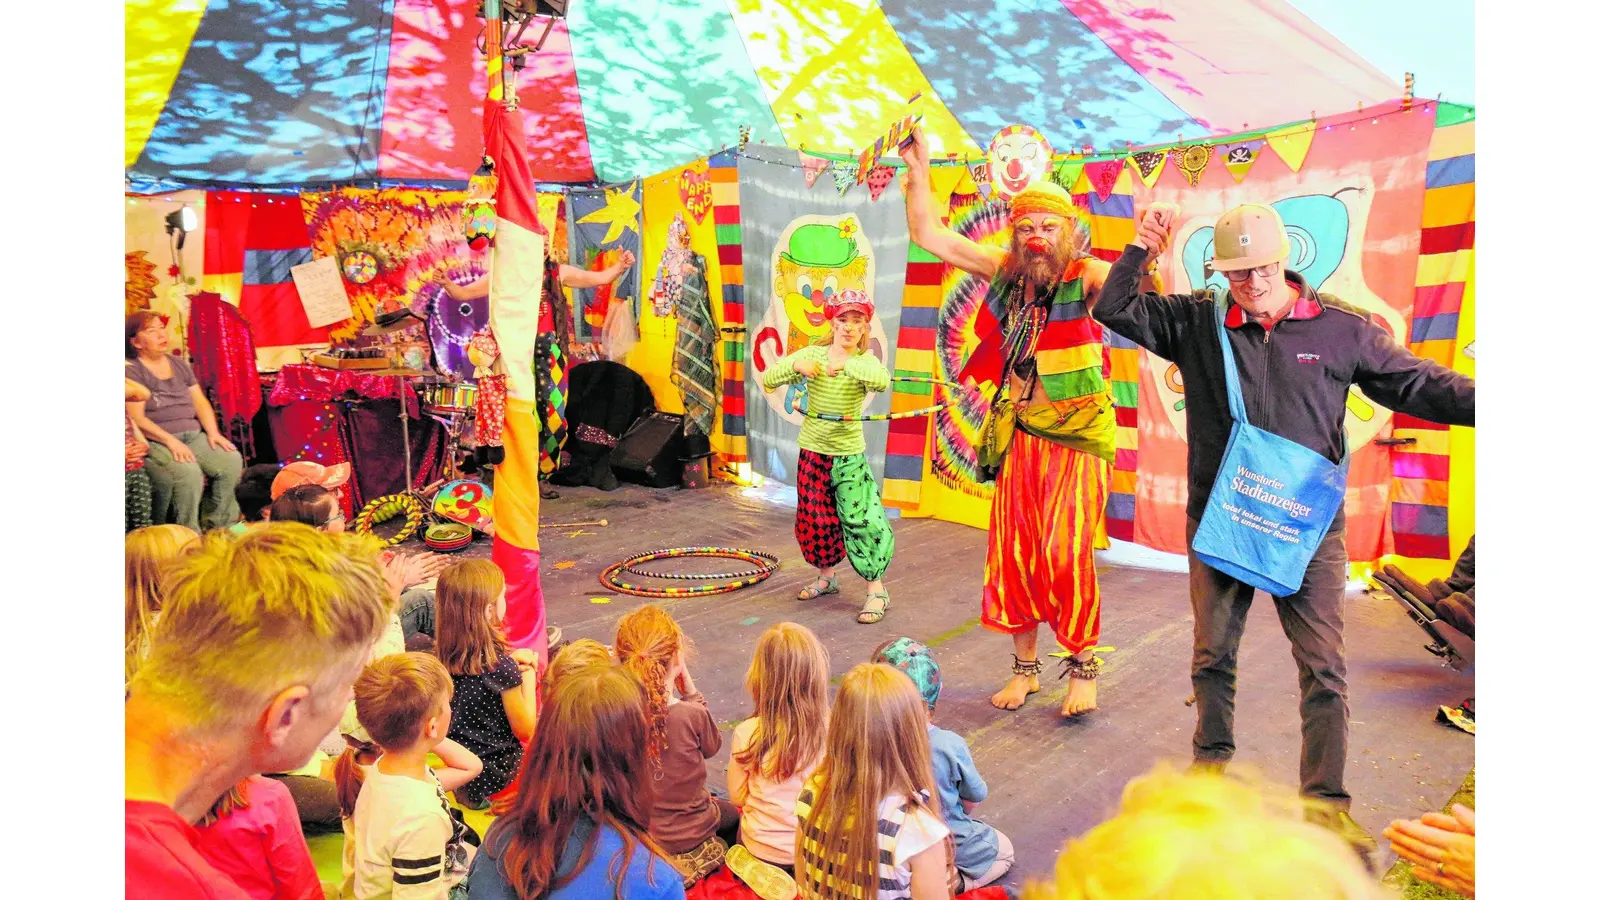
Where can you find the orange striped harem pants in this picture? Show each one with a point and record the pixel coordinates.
(1049, 504)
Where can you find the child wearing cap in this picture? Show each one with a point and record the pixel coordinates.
(982, 853)
(839, 513)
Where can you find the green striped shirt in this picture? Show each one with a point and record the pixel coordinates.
(841, 395)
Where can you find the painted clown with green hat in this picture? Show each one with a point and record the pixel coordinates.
(822, 259)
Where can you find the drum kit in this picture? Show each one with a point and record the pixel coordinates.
(451, 403)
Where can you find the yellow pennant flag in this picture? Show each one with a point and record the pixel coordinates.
(1149, 163)
(1293, 143)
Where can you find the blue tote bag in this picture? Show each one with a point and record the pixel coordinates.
(1272, 502)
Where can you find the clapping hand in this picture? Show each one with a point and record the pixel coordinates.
(1440, 847)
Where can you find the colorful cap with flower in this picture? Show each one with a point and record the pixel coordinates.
(916, 660)
(848, 300)
(306, 472)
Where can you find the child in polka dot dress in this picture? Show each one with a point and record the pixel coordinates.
(491, 714)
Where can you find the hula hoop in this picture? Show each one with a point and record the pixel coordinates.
(765, 564)
(387, 507)
(907, 414)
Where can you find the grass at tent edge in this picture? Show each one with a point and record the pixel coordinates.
(1399, 875)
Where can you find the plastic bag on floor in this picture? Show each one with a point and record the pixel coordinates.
(620, 331)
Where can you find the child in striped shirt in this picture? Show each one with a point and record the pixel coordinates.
(839, 512)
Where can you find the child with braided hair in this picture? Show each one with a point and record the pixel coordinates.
(686, 820)
(839, 513)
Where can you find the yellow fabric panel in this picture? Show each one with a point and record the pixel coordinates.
(230, 286)
(1447, 143)
(812, 55)
(1448, 205)
(1111, 231)
(156, 36)
(1070, 359)
(651, 357)
(516, 480)
(1427, 441)
(1442, 268)
(1124, 482)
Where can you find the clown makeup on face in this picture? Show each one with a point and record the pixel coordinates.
(1038, 250)
(850, 330)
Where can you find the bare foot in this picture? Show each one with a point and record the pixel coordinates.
(1080, 697)
(1016, 692)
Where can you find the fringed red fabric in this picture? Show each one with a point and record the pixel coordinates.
(223, 354)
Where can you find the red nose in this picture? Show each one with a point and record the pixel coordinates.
(1037, 245)
(1014, 169)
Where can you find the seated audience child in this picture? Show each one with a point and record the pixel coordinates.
(147, 555)
(254, 494)
(982, 853)
(687, 819)
(407, 844)
(869, 820)
(579, 827)
(490, 714)
(1206, 836)
(575, 657)
(349, 771)
(253, 836)
(260, 638)
(775, 751)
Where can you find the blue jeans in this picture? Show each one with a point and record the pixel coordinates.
(416, 613)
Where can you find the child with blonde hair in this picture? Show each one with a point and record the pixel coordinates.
(1203, 836)
(253, 836)
(145, 555)
(869, 824)
(407, 844)
(490, 713)
(776, 750)
(577, 656)
(686, 819)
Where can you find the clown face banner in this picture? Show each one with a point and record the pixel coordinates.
(1018, 156)
(801, 248)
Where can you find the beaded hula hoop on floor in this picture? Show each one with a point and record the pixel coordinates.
(907, 414)
(765, 564)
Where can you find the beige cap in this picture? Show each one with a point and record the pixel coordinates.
(306, 472)
(1248, 236)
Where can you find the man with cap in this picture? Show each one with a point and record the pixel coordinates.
(1042, 351)
(1298, 352)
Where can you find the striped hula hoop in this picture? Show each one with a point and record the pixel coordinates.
(765, 564)
(907, 414)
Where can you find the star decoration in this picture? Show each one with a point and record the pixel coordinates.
(620, 213)
(566, 564)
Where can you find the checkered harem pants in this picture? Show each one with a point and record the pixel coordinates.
(839, 514)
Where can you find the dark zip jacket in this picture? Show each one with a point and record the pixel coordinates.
(1295, 378)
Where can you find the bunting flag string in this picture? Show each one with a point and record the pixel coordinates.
(1240, 157)
(1148, 163)
(844, 175)
(814, 166)
(1292, 144)
(1103, 177)
(1191, 161)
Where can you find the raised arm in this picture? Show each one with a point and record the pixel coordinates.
(574, 277)
(1150, 319)
(926, 230)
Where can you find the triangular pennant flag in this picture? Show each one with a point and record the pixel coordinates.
(879, 178)
(1148, 163)
(1066, 173)
(1293, 143)
(980, 172)
(813, 166)
(965, 184)
(1191, 161)
(1103, 177)
(1240, 157)
(844, 175)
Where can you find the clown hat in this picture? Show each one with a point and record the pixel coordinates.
(823, 246)
(306, 472)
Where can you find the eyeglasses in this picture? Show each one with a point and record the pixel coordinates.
(337, 517)
(1266, 271)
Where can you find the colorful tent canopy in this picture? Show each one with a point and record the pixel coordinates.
(288, 93)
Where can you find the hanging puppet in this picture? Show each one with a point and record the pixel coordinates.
(668, 287)
(483, 351)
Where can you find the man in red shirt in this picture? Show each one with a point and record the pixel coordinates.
(249, 667)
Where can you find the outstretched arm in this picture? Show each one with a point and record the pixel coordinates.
(1129, 301)
(574, 277)
(926, 230)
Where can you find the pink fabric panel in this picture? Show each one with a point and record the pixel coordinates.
(1248, 63)
(433, 104)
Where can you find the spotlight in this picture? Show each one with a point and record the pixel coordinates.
(181, 223)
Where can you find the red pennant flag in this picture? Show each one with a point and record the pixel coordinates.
(1103, 176)
(879, 178)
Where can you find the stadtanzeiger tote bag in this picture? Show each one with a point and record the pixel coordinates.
(1272, 502)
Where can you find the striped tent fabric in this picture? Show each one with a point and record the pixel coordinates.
(724, 169)
(1419, 514)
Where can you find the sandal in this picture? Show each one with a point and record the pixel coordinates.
(812, 591)
(870, 616)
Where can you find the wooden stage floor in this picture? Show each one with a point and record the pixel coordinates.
(1049, 780)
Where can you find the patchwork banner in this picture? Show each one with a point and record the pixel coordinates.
(252, 241)
(801, 247)
(602, 223)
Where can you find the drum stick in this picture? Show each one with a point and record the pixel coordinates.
(571, 524)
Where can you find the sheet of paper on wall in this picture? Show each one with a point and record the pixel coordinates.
(322, 293)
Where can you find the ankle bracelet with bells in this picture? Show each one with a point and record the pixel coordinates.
(1022, 666)
(1085, 671)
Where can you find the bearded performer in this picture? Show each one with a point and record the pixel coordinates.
(1044, 354)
